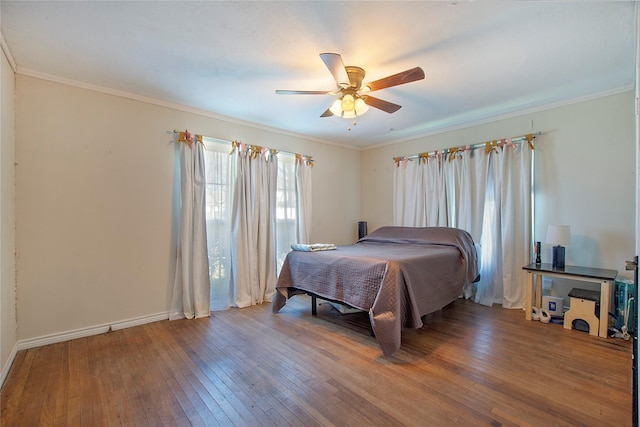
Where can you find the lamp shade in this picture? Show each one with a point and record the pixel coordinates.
(361, 107)
(348, 104)
(559, 235)
(335, 107)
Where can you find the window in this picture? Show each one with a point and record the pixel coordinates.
(286, 207)
(218, 216)
(220, 176)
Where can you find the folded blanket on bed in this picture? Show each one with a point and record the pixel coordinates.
(313, 247)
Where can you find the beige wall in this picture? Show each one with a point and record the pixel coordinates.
(585, 175)
(7, 219)
(96, 191)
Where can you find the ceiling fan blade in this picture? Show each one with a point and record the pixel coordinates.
(397, 79)
(380, 104)
(327, 113)
(303, 92)
(334, 63)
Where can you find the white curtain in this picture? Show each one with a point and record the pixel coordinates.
(293, 210)
(513, 191)
(466, 198)
(303, 200)
(286, 209)
(472, 171)
(408, 194)
(253, 219)
(256, 206)
(488, 290)
(435, 192)
(220, 185)
(489, 195)
(420, 193)
(191, 284)
(506, 233)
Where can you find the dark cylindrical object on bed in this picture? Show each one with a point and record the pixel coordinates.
(362, 229)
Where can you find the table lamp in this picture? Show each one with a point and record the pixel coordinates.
(558, 236)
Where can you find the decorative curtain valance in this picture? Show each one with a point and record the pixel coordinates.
(487, 193)
(244, 149)
(455, 152)
(188, 137)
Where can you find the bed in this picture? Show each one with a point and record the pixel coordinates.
(396, 274)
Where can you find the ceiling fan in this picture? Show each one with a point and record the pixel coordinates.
(354, 99)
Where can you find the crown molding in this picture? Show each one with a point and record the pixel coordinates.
(430, 131)
(467, 124)
(7, 53)
(175, 106)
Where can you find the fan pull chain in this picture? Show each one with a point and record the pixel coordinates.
(355, 122)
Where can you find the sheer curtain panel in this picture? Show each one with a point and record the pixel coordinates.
(435, 191)
(408, 195)
(293, 210)
(466, 201)
(220, 186)
(191, 284)
(253, 219)
(420, 192)
(484, 191)
(303, 199)
(240, 212)
(513, 186)
(506, 232)
(257, 201)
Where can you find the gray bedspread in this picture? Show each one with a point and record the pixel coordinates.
(397, 274)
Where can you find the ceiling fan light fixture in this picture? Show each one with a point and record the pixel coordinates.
(349, 107)
(348, 103)
(354, 97)
(361, 107)
(335, 107)
(349, 114)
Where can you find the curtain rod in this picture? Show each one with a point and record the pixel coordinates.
(301, 157)
(487, 145)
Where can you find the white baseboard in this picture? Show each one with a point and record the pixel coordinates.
(91, 330)
(7, 366)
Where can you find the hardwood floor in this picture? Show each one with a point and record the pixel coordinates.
(469, 365)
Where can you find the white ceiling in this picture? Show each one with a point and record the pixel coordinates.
(481, 59)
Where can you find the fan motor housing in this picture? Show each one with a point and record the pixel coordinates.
(356, 75)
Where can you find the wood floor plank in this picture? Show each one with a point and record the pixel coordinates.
(250, 360)
(150, 389)
(268, 357)
(55, 385)
(278, 369)
(215, 402)
(468, 365)
(11, 404)
(119, 411)
(172, 373)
